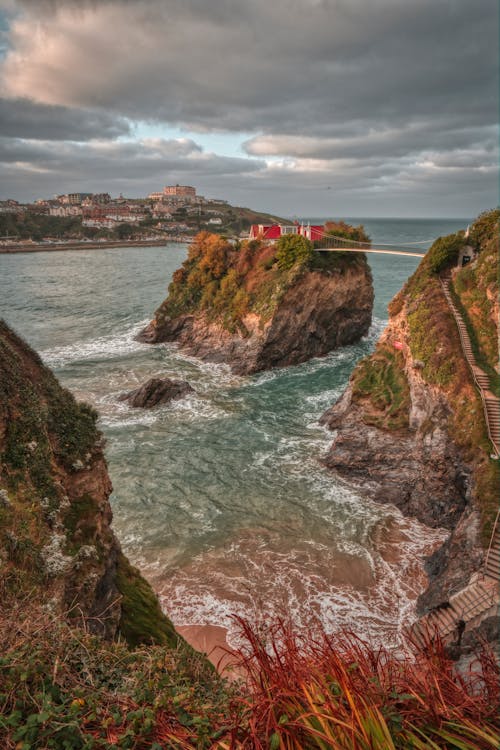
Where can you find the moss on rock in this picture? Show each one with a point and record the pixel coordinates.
(380, 387)
(142, 620)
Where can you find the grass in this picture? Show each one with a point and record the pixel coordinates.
(142, 620)
(380, 387)
(61, 689)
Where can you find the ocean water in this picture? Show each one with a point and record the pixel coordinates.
(221, 498)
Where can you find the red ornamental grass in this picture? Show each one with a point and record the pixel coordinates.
(340, 692)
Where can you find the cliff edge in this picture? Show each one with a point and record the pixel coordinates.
(57, 548)
(410, 427)
(260, 305)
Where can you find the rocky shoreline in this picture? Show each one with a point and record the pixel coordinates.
(45, 247)
(410, 429)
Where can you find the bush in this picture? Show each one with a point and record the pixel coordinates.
(342, 229)
(293, 249)
(484, 228)
(444, 252)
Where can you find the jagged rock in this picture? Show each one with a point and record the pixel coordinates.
(157, 391)
(433, 462)
(56, 524)
(304, 315)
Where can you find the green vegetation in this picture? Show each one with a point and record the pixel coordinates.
(293, 250)
(48, 515)
(227, 282)
(484, 232)
(380, 387)
(37, 226)
(441, 257)
(433, 336)
(142, 620)
(42, 418)
(61, 689)
(348, 232)
(434, 340)
(444, 252)
(475, 291)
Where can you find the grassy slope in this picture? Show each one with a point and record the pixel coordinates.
(379, 380)
(46, 433)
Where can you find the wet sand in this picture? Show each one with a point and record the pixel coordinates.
(212, 641)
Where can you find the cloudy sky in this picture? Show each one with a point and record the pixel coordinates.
(303, 107)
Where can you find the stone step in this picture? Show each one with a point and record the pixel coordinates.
(444, 618)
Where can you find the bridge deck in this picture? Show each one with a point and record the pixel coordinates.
(367, 250)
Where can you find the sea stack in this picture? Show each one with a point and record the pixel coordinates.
(258, 305)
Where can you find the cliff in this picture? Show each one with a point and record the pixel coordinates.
(410, 427)
(260, 305)
(57, 547)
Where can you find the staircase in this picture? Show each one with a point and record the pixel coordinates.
(481, 597)
(469, 606)
(491, 404)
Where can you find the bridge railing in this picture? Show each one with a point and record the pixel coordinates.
(332, 241)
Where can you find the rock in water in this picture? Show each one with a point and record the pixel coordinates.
(157, 391)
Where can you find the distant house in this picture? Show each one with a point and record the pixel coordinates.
(313, 232)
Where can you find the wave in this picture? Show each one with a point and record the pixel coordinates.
(106, 347)
(351, 587)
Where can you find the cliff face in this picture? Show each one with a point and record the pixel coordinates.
(410, 426)
(245, 308)
(57, 547)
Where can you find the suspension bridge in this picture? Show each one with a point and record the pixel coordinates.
(334, 244)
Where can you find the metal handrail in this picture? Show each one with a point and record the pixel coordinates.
(445, 628)
(493, 534)
(488, 596)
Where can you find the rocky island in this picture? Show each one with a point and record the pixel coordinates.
(259, 305)
(411, 427)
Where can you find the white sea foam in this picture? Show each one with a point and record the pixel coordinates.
(105, 347)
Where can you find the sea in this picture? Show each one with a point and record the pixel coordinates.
(221, 499)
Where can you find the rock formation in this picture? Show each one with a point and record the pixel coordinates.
(410, 427)
(57, 546)
(157, 391)
(251, 309)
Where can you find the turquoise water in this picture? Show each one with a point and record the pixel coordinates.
(221, 499)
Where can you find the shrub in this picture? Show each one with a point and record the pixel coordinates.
(444, 252)
(293, 250)
(484, 229)
(380, 383)
(342, 229)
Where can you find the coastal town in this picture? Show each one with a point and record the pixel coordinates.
(175, 213)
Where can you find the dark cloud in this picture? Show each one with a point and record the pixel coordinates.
(283, 66)
(24, 118)
(371, 96)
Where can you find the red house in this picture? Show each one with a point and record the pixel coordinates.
(275, 231)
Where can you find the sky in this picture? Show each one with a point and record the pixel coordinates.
(298, 107)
